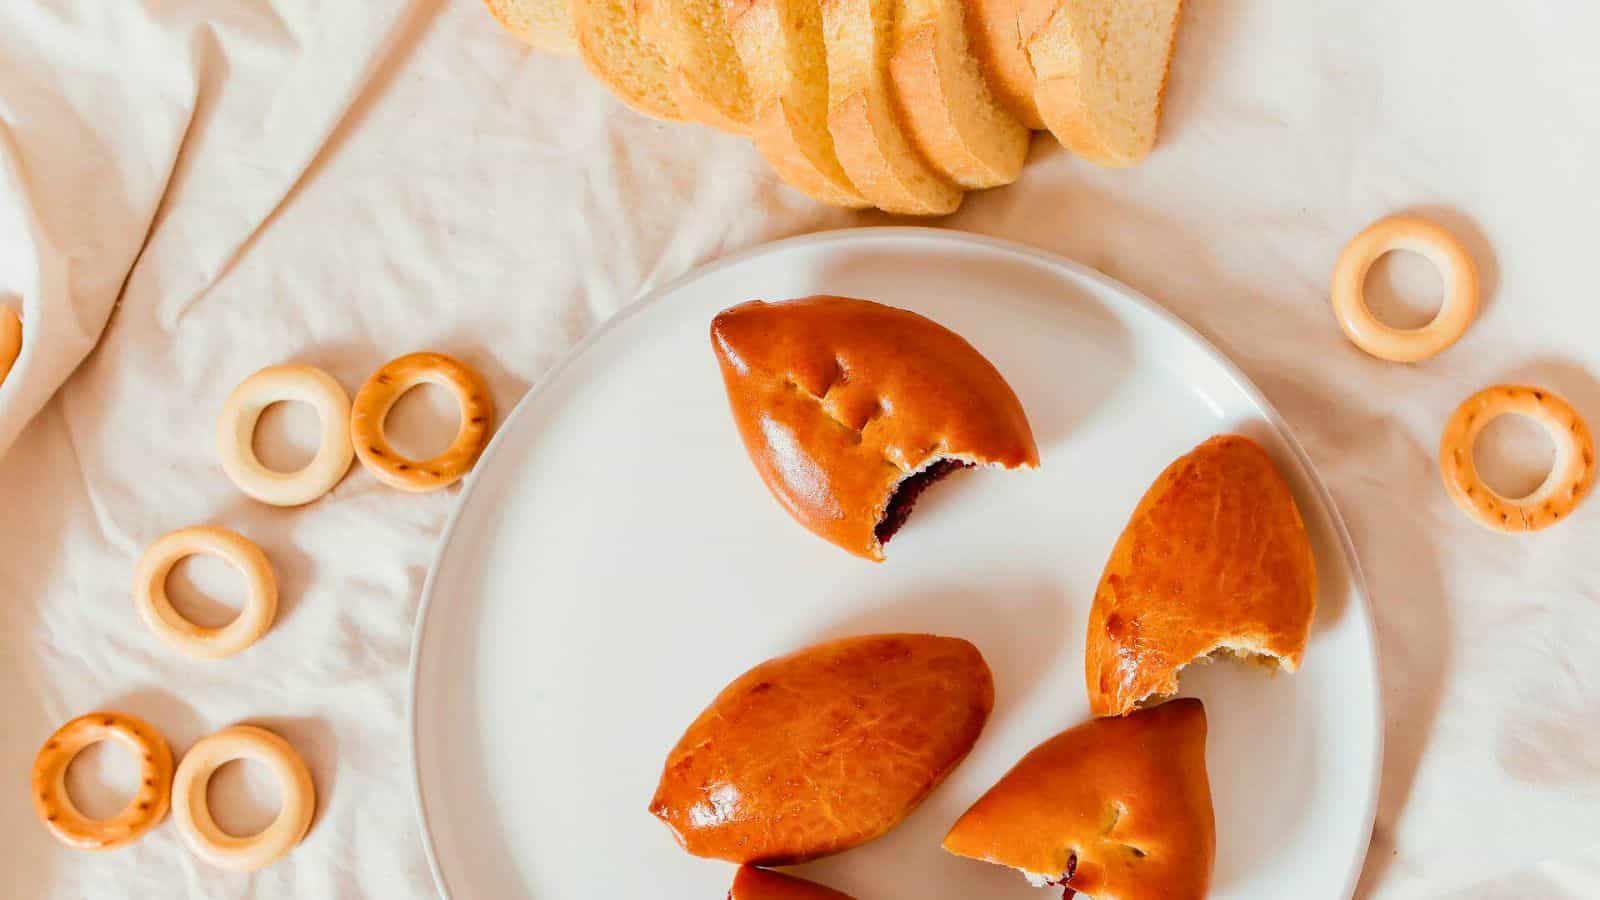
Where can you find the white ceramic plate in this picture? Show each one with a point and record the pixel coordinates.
(615, 561)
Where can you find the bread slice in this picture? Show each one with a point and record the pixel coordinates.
(619, 57)
(1101, 70)
(707, 83)
(992, 27)
(872, 144)
(953, 119)
(779, 43)
(543, 24)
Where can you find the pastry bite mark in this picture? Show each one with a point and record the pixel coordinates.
(1114, 808)
(905, 495)
(825, 749)
(1214, 561)
(848, 408)
(751, 883)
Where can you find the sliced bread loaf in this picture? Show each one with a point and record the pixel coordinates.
(868, 136)
(780, 46)
(996, 39)
(543, 24)
(708, 84)
(615, 53)
(1101, 70)
(953, 118)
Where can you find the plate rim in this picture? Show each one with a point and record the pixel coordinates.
(936, 235)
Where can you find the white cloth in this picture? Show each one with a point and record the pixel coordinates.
(208, 188)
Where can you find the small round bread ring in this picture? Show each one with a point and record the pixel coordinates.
(155, 608)
(193, 814)
(1570, 477)
(10, 340)
(378, 396)
(237, 426)
(1441, 248)
(149, 804)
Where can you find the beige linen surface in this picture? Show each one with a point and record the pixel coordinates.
(192, 190)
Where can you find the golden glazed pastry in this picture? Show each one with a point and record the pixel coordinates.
(825, 749)
(751, 883)
(1214, 558)
(850, 408)
(1117, 808)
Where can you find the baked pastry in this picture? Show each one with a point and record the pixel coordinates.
(825, 749)
(872, 144)
(751, 883)
(954, 121)
(1117, 809)
(1101, 70)
(780, 45)
(850, 408)
(997, 43)
(543, 24)
(621, 59)
(707, 82)
(1214, 559)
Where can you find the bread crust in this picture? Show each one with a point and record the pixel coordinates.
(751, 883)
(824, 749)
(840, 400)
(646, 91)
(1214, 557)
(869, 135)
(992, 26)
(801, 153)
(1122, 804)
(953, 119)
(720, 100)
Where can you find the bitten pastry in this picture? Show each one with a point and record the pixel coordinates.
(1118, 809)
(751, 883)
(1215, 558)
(825, 749)
(850, 408)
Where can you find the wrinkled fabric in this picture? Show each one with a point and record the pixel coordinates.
(191, 191)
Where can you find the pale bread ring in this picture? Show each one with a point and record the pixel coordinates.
(149, 804)
(1441, 248)
(237, 426)
(155, 608)
(10, 340)
(1570, 477)
(190, 809)
(378, 396)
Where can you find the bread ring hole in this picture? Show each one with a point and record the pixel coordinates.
(287, 436)
(423, 422)
(206, 590)
(103, 779)
(1404, 289)
(1513, 455)
(244, 797)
